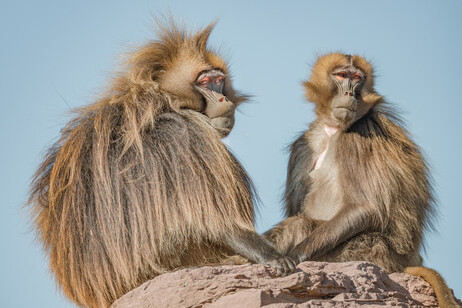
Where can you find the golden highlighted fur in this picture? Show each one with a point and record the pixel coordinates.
(445, 296)
(372, 198)
(139, 182)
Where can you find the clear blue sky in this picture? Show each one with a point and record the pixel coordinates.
(56, 55)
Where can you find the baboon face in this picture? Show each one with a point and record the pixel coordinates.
(212, 80)
(348, 81)
(195, 71)
(211, 84)
(342, 88)
(191, 74)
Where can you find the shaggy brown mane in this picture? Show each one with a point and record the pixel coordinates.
(138, 183)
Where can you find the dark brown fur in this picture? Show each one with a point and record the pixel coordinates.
(373, 182)
(139, 182)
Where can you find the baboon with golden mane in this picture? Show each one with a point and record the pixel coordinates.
(357, 186)
(139, 183)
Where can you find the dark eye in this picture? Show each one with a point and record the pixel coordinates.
(356, 77)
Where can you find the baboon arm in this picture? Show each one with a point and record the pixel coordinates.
(251, 245)
(350, 221)
(297, 185)
(258, 249)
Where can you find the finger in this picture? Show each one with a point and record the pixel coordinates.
(278, 266)
(291, 264)
(288, 268)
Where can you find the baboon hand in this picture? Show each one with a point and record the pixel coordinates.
(282, 265)
(298, 254)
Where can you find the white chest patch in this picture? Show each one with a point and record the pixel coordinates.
(324, 200)
(329, 131)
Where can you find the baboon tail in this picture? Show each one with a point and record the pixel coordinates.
(444, 295)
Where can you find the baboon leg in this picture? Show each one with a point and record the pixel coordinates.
(291, 231)
(372, 247)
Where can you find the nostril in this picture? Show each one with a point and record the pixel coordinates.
(346, 93)
(351, 94)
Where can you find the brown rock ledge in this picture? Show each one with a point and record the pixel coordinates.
(313, 284)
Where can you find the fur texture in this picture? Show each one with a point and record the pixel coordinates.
(446, 298)
(374, 183)
(374, 186)
(139, 182)
(372, 197)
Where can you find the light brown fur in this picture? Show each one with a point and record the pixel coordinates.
(372, 197)
(139, 182)
(445, 296)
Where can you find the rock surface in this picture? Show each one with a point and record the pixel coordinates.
(313, 284)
